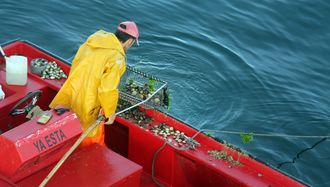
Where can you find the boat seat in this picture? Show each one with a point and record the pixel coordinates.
(94, 165)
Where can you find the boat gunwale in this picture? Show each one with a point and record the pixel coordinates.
(66, 62)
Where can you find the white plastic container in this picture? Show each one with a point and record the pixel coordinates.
(16, 70)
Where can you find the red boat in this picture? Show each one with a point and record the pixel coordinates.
(134, 155)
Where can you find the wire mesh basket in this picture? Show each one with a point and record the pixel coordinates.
(137, 86)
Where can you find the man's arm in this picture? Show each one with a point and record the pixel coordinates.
(107, 92)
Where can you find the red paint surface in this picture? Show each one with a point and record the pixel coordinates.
(31, 146)
(172, 168)
(5, 182)
(193, 167)
(94, 165)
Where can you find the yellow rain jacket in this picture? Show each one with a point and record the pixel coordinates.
(93, 80)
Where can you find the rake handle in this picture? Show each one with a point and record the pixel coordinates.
(83, 136)
(68, 153)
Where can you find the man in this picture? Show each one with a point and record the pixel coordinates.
(94, 77)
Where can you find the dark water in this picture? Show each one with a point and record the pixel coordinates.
(248, 66)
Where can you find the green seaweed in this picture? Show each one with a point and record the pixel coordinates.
(151, 85)
(246, 137)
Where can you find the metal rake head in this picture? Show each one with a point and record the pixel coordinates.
(139, 87)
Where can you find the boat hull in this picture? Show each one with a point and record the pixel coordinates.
(132, 146)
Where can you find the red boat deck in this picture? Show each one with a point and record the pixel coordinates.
(94, 165)
(128, 162)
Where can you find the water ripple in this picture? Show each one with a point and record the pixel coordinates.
(247, 66)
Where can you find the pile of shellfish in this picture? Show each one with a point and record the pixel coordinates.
(141, 91)
(224, 155)
(47, 69)
(134, 115)
(168, 133)
(164, 130)
(53, 71)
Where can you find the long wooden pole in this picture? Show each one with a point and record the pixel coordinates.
(83, 136)
(68, 153)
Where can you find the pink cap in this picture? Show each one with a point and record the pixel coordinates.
(129, 27)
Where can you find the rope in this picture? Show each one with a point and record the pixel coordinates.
(153, 165)
(231, 132)
(155, 157)
(262, 134)
(300, 153)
